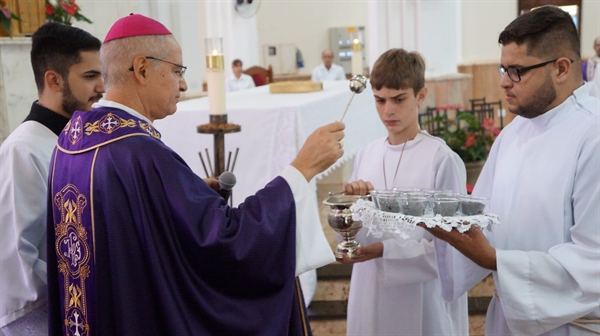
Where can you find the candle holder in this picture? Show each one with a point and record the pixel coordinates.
(218, 125)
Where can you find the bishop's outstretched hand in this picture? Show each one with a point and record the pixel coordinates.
(320, 150)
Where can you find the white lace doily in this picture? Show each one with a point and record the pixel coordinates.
(379, 222)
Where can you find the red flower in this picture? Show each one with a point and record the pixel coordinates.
(72, 2)
(6, 13)
(49, 9)
(487, 124)
(69, 8)
(470, 141)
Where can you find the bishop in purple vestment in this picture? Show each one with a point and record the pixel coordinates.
(140, 245)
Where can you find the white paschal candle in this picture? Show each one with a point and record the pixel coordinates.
(215, 80)
(357, 62)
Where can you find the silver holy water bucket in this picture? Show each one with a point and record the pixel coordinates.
(340, 220)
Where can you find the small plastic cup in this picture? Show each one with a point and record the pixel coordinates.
(445, 206)
(415, 206)
(436, 191)
(403, 190)
(375, 195)
(472, 206)
(417, 194)
(447, 194)
(390, 202)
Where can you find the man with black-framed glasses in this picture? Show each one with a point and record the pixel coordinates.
(542, 179)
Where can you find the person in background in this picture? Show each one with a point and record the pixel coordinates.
(328, 71)
(596, 83)
(238, 79)
(66, 67)
(395, 288)
(542, 181)
(589, 66)
(159, 252)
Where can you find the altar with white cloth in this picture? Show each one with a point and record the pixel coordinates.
(274, 128)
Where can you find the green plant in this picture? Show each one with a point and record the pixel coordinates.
(6, 16)
(465, 135)
(64, 11)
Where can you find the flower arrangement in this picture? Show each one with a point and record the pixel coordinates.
(465, 135)
(64, 11)
(6, 16)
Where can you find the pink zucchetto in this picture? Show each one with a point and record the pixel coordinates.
(135, 25)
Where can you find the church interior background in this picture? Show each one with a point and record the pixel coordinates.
(458, 40)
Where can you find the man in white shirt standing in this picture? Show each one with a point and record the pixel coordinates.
(541, 179)
(328, 70)
(239, 80)
(66, 67)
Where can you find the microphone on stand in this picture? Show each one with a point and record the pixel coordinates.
(226, 182)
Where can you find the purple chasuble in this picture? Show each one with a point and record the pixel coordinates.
(140, 245)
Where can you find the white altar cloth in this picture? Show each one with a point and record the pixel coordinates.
(274, 127)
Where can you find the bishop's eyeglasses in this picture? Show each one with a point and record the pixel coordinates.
(515, 73)
(182, 67)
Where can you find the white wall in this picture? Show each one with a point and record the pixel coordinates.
(483, 21)
(439, 49)
(190, 22)
(306, 23)
(238, 33)
(429, 27)
(182, 18)
(590, 26)
(17, 85)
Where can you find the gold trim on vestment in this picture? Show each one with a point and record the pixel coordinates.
(108, 124)
(73, 262)
(92, 203)
(99, 145)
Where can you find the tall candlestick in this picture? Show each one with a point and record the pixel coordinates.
(357, 58)
(215, 76)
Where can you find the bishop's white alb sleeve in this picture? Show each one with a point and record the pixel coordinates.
(312, 248)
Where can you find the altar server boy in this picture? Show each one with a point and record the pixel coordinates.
(395, 289)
